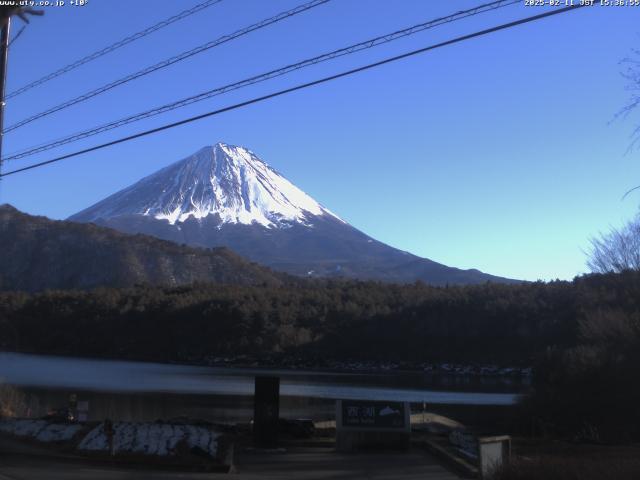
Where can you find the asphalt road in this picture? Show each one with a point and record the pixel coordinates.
(296, 464)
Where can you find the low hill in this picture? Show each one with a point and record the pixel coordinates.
(39, 253)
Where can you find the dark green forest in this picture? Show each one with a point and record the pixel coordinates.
(329, 319)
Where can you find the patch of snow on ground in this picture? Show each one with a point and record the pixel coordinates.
(151, 438)
(40, 430)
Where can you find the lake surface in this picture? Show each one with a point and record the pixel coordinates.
(50, 372)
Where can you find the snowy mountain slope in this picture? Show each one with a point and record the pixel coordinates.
(223, 180)
(226, 196)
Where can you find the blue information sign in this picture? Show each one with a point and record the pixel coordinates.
(373, 414)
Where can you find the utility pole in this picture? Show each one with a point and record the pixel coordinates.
(4, 58)
(6, 12)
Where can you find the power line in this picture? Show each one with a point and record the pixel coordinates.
(262, 77)
(236, 106)
(114, 46)
(170, 61)
(16, 36)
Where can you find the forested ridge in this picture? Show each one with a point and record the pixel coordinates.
(40, 253)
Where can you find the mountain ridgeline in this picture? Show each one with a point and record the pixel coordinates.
(225, 195)
(40, 254)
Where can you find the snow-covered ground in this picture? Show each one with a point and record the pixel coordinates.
(150, 438)
(40, 430)
(160, 439)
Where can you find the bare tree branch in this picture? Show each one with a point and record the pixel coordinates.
(616, 251)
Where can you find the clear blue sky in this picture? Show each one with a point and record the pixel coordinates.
(495, 154)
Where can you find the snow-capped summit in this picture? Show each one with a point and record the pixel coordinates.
(224, 180)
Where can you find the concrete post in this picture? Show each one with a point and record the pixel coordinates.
(266, 412)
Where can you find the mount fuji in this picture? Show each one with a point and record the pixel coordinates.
(224, 195)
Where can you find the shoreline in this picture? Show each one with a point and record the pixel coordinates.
(335, 367)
